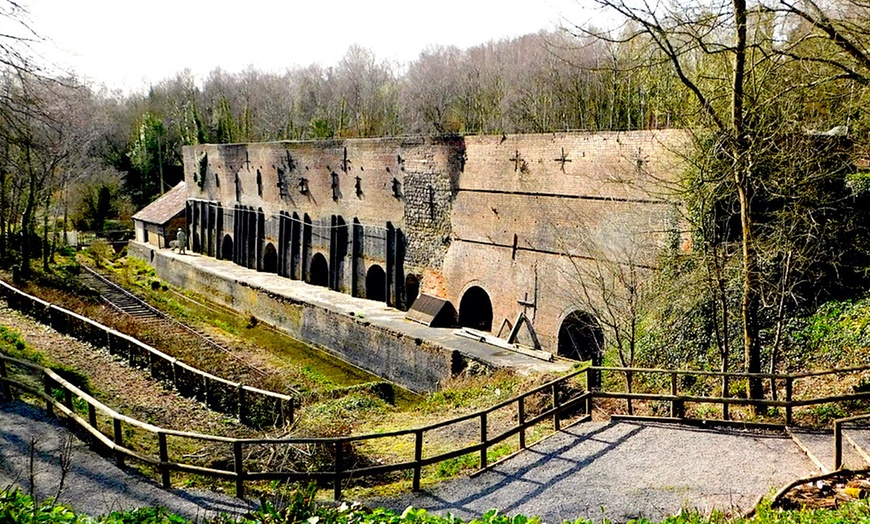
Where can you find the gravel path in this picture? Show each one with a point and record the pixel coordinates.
(624, 470)
(93, 485)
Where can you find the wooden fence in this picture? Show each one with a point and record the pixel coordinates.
(563, 399)
(553, 402)
(675, 393)
(253, 406)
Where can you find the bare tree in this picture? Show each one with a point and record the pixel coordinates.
(609, 266)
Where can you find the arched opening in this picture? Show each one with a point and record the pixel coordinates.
(318, 275)
(376, 283)
(475, 309)
(412, 291)
(227, 248)
(581, 338)
(270, 259)
(196, 244)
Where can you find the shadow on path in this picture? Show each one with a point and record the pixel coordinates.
(93, 484)
(621, 470)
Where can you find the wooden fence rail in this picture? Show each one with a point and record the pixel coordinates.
(565, 398)
(678, 400)
(253, 406)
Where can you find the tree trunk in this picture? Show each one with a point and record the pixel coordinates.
(4, 208)
(27, 217)
(743, 180)
(46, 248)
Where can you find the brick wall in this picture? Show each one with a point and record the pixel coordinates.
(522, 216)
(526, 202)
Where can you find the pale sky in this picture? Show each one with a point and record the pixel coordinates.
(130, 44)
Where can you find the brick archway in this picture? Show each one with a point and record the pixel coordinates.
(475, 309)
(581, 338)
(318, 274)
(227, 248)
(270, 259)
(376, 283)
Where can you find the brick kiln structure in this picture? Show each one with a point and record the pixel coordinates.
(496, 225)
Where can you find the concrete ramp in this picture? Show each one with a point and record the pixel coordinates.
(624, 470)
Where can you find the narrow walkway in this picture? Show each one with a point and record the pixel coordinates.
(624, 470)
(92, 485)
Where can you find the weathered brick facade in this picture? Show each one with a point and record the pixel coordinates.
(520, 216)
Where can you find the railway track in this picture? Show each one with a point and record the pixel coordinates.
(129, 304)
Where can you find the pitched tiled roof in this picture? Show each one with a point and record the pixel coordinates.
(165, 208)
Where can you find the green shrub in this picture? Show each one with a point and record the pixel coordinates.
(19, 508)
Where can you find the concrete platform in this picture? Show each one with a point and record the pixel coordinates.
(192, 270)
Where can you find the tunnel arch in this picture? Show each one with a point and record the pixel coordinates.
(227, 248)
(376, 283)
(318, 273)
(270, 258)
(475, 309)
(581, 337)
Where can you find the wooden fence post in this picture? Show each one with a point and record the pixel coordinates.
(164, 459)
(483, 440)
(521, 418)
(725, 394)
(589, 391)
(46, 387)
(67, 399)
(339, 467)
(788, 399)
(838, 445)
(418, 456)
(241, 403)
(7, 390)
(119, 441)
(239, 466)
(205, 392)
(556, 422)
(92, 415)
